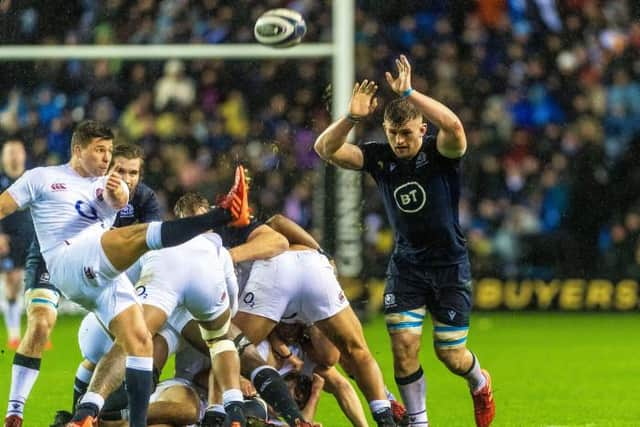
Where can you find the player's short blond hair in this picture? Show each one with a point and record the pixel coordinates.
(188, 204)
(399, 111)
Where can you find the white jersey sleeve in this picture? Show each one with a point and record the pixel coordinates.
(27, 188)
(62, 203)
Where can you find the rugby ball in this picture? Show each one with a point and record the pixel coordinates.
(280, 28)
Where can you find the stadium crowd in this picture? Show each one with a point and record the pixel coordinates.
(549, 93)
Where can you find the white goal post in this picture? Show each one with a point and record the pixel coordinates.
(337, 197)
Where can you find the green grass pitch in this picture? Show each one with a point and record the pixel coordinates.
(549, 369)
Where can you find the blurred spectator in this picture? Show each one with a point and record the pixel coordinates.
(174, 87)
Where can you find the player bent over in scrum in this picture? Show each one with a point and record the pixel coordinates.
(181, 400)
(266, 379)
(197, 275)
(299, 284)
(294, 350)
(72, 205)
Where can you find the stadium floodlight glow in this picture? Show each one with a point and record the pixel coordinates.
(338, 194)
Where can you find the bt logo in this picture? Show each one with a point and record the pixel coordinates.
(410, 197)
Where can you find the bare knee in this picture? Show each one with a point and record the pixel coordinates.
(138, 342)
(40, 323)
(406, 348)
(454, 358)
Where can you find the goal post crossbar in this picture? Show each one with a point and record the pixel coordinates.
(240, 51)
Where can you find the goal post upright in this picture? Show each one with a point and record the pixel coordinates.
(346, 185)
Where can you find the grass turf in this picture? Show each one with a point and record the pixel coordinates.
(548, 369)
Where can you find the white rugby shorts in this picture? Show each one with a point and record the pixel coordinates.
(83, 273)
(295, 286)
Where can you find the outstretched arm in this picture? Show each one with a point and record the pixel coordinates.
(7, 205)
(292, 231)
(451, 141)
(331, 145)
(309, 411)
(263, 243)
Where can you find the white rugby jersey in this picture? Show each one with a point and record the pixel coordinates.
(264, 348)
(62, 202)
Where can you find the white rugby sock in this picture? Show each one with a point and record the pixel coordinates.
(232, 395)
(474, 376)
(24, 373)
(379, 405)
(413, 390)
(95, 398)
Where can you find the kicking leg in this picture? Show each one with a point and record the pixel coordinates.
(123, 246)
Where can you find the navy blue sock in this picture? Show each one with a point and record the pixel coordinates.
(84, 410)
(139, 383)
(178, 231)
(275, 392)
(79, 388)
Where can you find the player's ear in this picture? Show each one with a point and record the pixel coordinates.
(423, 129)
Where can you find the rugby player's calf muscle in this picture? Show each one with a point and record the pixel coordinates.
(131, 332)
(109, 371)
(458, 360)
(406, 347)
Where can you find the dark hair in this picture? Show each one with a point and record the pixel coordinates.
(400, 111)
(88, 130)
(189, 203)
(302, 389)
(128, 151)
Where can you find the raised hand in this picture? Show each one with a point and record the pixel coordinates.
(113, 182)
(363, 101)
(403, 82)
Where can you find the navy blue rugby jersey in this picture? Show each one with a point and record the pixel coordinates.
(234, 236)
(18, 224)
(420, 197)
(143, 207)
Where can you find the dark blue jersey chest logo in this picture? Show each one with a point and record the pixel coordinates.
(127, 211)
(410, 197)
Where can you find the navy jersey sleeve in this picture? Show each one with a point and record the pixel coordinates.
(234, 236)
(431, 148)
(150, 209)
(372, 152)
